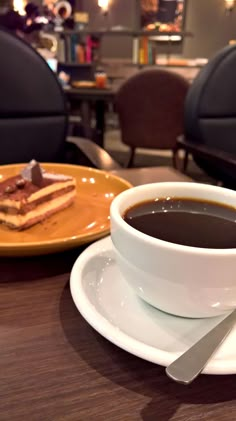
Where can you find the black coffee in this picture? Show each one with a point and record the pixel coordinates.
(188, 222)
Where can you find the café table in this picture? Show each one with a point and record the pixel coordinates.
(84, 99)
(137, 176)
(54, 366)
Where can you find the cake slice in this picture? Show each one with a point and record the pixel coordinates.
(34, 195)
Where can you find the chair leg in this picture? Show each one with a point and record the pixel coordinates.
(175, 158)
(131, 158)
(185, 163)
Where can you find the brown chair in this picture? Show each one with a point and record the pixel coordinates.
(150, 106)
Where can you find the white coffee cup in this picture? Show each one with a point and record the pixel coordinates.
(181, 280)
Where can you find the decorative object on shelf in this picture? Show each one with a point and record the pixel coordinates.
(63, 9)
(81, 20)
(164, 16)
(49, 3)
(49, 42)
(229, 5)
(104, 4)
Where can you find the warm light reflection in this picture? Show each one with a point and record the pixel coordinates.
(229, 4)
(92, 180)
(91, 225)
(216, 305)
(104, 4)
(84, 180)
(19, 6)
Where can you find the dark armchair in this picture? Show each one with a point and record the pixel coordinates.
(33, 114)
(210, 118)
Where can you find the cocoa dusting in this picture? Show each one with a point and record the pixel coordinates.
(10, 189)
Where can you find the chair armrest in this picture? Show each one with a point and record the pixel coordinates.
(96, 155)
(206, 152)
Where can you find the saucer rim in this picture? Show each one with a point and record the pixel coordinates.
(112, 333)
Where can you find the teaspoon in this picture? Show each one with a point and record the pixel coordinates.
(190, 364)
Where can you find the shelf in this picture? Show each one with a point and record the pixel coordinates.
(126, 64)
(103, 63)
(182, 66)
(121, 32)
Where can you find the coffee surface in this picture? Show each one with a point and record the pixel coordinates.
(185, 221)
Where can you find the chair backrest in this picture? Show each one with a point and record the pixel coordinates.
(33, 117)
(150, 106)
(210, 107)
(210, 113)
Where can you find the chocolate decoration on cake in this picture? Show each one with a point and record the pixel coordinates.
(10, 189)
(33, 173)
(20, 184)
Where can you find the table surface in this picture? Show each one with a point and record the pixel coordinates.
(137, 176)
(54, 366)
(95, 94)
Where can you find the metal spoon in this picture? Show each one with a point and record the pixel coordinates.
(190, 364)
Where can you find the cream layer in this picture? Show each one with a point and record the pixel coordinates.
(48, 207)
(52, 188)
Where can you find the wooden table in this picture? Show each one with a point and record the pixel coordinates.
(84, 99)
(137, 176)
(55, 367)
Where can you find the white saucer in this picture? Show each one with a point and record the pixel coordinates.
(110, 306)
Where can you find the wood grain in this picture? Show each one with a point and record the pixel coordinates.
(54, 366)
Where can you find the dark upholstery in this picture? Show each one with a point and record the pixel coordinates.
(150, 106)
(33, 117)
(210, 114)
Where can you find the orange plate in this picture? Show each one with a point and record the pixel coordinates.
(85, 221)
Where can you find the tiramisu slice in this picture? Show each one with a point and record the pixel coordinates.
(33, 196)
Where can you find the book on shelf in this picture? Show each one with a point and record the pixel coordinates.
(144, 51)
(80, 49)
(80, 54)
(135, 50)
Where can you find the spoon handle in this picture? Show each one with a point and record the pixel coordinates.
(190, 364)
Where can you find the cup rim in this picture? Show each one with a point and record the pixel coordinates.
(117, 217)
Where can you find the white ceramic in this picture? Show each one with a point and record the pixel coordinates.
(181, 280)
(109, 305)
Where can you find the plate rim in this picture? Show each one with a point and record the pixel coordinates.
(108, 330)
(81, 238)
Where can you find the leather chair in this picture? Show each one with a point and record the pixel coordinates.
(150, 106)
(210, 118)
(33, 114)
